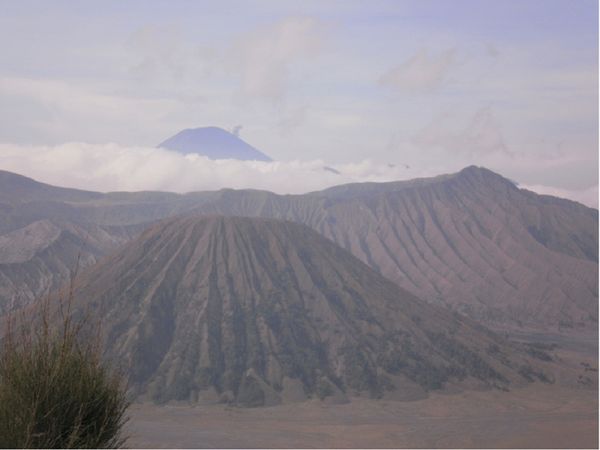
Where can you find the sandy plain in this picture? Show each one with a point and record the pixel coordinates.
(534, 417)
(559, 415)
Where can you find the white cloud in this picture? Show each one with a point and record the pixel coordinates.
(588, 197)
(76, 100)
(112, 167)
(257, 64)
(481, 135)
(264, 56)
(73, 110)
(161, 61)
(304, 89)
(423, 72)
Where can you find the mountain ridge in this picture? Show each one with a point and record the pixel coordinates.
(472, 241)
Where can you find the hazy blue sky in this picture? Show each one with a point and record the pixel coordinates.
(436, 85)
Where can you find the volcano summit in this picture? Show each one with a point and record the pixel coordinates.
(256, 311)
(214, 143)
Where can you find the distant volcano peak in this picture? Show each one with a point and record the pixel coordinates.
(214, 143)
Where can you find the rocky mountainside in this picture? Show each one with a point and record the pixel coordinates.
(214, 143)
(259, 311)
(38, 258)
(478, 244)
(472, 241)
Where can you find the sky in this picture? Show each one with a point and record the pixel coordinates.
(377, 90)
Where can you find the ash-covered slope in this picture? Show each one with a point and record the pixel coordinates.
(259, 311)
(477, 243)
(472, 240)
(38, 258)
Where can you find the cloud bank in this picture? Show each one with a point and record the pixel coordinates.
(113, 167)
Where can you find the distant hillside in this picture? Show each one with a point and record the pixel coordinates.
(259, 311)
(214, 143)
(472, 241)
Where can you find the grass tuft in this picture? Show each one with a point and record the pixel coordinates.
(55, 390)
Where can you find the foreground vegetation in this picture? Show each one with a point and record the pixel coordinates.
(55, 390)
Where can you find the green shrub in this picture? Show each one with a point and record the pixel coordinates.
(55, 390)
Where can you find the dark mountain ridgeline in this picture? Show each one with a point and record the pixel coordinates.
(472, 240)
